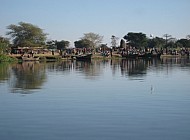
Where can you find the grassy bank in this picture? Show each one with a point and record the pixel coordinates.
(6, 58)
(174, 56)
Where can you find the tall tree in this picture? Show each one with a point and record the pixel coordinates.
(51, 44)
(94, 39)
(167, 36)
(184, 42)
(83, 43)
(137, 40)
(26, 35)
(114, 40)
(122, 43)
(156, 42)
(62, 45)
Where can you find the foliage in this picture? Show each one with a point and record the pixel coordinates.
(4, 44)
(171, 43)
(167, 38)
(4, 40)
(94, 39)
(26, 35)
(137, 40)
(6, 58)
(156, 42)
(51, 44)
(83, 43)
(184, 42)
(62, 45)
(104, 47)
(122, 44)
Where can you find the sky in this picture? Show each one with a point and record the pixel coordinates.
(70, 19)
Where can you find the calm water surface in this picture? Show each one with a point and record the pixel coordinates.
(98, 100)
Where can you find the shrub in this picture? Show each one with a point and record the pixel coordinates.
(5, 58)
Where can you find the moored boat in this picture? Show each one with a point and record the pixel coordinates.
(25, 58)
(149, 55)
(142, 56)
(132, 56)
(84, 57)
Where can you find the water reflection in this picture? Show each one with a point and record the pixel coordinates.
(4, 72)
(137, 67)
(64, 67)
(183, 62)
(84, 67)
(28, 76)
(90, 69)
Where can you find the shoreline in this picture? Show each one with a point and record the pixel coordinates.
(57, 57)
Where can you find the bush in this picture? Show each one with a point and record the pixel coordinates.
(5, 58)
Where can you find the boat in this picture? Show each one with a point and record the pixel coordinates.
(130, 56)
(84, 57)
(25, 58)
(142, 56)
(149, 55)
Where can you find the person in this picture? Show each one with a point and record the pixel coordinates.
(52, 52)
(32, 53)
(111, 51)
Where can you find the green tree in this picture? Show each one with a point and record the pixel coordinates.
(137, 40)
(171, 43)
(26, 35)
(122, 43)
(156, 42)
(167, 36)
(83, 43)
(184, 42)
(104, 47)
(94, 39)
(4, 45)
(51, 44)
(62, 45)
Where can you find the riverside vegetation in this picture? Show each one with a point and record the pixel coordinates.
(29, 39)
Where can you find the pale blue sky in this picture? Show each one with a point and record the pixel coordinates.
(70, 19)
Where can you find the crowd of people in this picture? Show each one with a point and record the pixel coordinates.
(104, 51)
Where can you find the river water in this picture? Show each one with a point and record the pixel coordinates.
(97, 100)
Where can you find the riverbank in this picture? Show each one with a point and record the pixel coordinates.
(173, 56)
(7, 58)
(57, 57)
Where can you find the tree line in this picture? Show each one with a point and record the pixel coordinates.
(29, 35)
